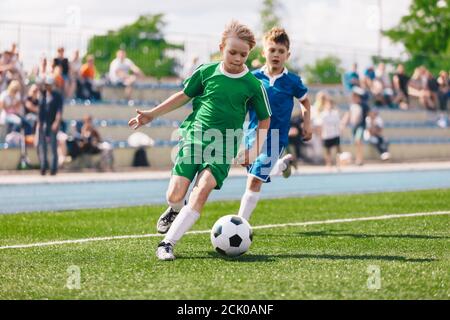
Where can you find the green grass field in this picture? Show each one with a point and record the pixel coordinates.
(323, 261)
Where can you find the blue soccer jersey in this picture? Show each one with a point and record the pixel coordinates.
(281, 90)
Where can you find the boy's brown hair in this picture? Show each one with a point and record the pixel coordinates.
(236, 29)
(278, 35)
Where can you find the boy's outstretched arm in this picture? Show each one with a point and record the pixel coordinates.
(247, 156)
(145, 116)
(307, 128)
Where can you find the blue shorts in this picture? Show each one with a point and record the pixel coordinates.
(264, 163)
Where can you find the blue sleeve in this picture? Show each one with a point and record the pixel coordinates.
(300, 89)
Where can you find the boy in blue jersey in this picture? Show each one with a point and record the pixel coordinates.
(282, 87)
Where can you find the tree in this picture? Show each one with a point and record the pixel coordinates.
(269, 19)
(144, 43)
(425, 34)
(326, 71)
(268, 15)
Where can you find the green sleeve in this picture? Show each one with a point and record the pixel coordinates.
(193, 86)
(260, 102)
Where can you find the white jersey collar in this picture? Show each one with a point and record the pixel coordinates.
(274, 78)
(233, 75)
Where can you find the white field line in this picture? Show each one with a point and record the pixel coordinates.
(296, 224)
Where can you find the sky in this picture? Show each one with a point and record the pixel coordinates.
(347, 28)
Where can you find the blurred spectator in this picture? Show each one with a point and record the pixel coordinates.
(11, 107)
(356, 117)
(119, 72)
(368, 77)
(374, 134)
(415, 85)
(351, 78)
(295, 138)
(64, 72)
(60, 82)
(381, 87)
(433, 89)
(85, 87)
(328, 123)
(43, 67)
(7, 69)
(420, 87)
(89, 142)
(90, 138)
(319, 104)
(49, 121)
(444, 90)
(74, 74)
(317, 108)
(400, 83)
(32, 109)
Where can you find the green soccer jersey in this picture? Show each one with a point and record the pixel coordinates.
(211, 134)
(220, 100)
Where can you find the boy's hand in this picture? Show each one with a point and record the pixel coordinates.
(307, 131)
(243, 158)
(142, 118)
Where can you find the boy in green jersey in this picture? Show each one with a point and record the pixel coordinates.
(211, 134)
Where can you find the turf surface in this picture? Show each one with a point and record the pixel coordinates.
(313, 262)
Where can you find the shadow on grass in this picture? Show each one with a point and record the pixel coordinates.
(332, 233)
(277, 257)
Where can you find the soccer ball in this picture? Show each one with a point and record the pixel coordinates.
(231, 236)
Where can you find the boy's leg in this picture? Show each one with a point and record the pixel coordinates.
(250, 197)
(266, 165)
(327, 155)
(54, 149)
(359, 152)
(338, 156)
(42, 150)
(175, 195)
(188, 215)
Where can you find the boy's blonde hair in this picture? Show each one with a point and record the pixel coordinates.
(236, 29)
(278, 35)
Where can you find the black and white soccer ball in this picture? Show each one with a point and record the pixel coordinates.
(231, 236)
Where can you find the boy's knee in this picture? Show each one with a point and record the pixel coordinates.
(255, 185)
(202, 191)
(174, 197)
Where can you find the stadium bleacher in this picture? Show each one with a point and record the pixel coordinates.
(413, 134)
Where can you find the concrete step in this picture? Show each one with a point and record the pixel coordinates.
(119, 112)
(140, 93)
(122, 133)
(412, 133)
(170, 132)
(160, 157)
(124, 112)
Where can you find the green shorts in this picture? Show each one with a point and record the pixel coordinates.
(189, 163)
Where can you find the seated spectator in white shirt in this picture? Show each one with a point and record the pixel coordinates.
(119, 72)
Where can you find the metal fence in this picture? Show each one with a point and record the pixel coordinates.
(37, 40)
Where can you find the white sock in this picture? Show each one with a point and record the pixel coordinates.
(176, 206)
(182, 223)
(248, 204)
